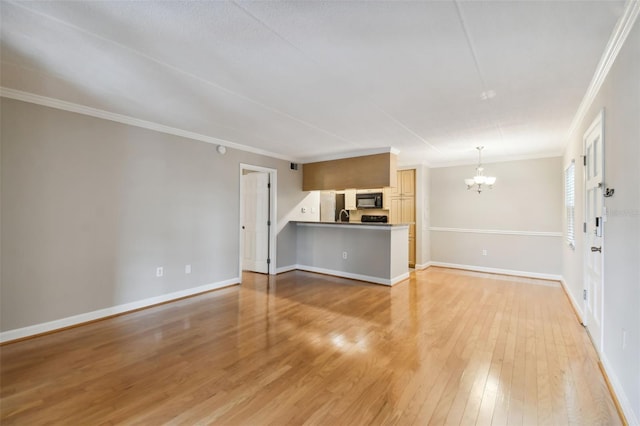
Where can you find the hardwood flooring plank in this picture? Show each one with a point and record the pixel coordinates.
(501, 409)
(445, 347)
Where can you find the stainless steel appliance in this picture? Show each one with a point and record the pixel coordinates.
(374, 218)
(369, 200)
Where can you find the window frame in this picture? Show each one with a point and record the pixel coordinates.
(570, 203)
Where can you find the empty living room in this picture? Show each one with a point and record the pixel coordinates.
(320, 212)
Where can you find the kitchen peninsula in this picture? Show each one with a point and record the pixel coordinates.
(374, 252)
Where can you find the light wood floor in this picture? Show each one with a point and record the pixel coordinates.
(446, 347)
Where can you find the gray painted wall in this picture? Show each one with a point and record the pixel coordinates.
(91, 207)
(619, 96)
(322, 247)
(528, 196)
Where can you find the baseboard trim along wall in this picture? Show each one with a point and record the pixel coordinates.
(551, 277)
(420, 266)
(34, 330)
(342, 274)
(574, 303)
(283, 269)
(618, 392)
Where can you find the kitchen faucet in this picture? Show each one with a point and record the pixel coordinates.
(340, 215)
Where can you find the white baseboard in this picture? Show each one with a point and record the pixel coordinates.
(525, 274)
(399, 278)
(32, 330)
(420, 266)
(574, 302)
(627, 409)
(283, 269)
(342, 274)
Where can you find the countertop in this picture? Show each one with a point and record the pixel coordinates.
(376, 224)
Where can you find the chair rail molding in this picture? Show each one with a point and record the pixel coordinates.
(497, 232)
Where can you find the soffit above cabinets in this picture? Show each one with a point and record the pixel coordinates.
(306, 80)
(366, 171)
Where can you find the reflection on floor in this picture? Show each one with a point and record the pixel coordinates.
(445, 346)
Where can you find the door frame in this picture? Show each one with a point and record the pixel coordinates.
(596, 124)
(273, 180)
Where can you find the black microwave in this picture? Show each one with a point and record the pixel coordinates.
(369, 200)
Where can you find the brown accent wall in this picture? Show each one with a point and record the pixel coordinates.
(368, 171)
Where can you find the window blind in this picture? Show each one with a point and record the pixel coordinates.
(570, 202)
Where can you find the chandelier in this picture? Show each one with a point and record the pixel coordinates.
(480, 179)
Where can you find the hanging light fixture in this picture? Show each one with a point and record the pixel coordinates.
(480, 179)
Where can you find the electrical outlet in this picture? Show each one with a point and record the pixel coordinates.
(187, 269)
(344, 255)
(303, 209)
(484, 252)
(159, 271)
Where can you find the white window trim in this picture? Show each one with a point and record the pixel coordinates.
(570, 203)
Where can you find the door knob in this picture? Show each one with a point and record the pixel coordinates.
(599, 249)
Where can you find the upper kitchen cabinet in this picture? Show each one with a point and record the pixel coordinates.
(368, 171)
(406, 184)
(402, 207)
(350, 199)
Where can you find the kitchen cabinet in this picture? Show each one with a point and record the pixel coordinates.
(367, 171)
(394, 191)
(406, 186)
(386, 198)
(407, 183)
(350, 199)
(402, 207)
(395, 210)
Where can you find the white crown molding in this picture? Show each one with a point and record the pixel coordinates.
(616, 41)
(489, 161)
(34, 330)
(20, 95)
(350, 154)
(497, 232)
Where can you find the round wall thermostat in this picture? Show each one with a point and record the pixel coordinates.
(221, 149)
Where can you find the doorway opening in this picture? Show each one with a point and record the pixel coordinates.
(257, 239)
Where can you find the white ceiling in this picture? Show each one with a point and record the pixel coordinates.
(304, 80)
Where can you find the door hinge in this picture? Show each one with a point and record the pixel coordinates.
(584, 227)
(268, 223)
(584, 160)
(268, 261)
(269, 185)
(584, 294)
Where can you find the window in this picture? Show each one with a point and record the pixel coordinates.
(570, 202)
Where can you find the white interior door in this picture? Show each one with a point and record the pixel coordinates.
(255, 222)
(594, 181)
